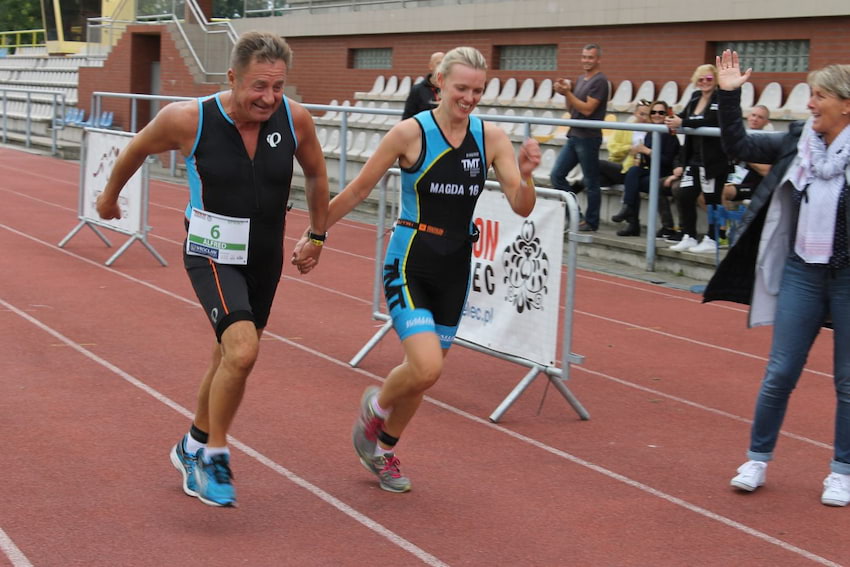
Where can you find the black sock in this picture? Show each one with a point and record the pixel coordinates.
(198, 435)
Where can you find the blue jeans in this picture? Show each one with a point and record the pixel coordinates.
(584, 151)
(807, 295)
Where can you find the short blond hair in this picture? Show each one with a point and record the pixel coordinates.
(468, 56)
(702, 70)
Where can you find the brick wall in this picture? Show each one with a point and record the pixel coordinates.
(127, 70)
(660, 52)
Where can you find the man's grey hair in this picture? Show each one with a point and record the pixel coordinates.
(259, 46)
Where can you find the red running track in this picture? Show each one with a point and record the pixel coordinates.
(100, 368)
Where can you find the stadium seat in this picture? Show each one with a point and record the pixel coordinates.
(747, 96)
(332, 142)
(686, 97)
(543, 132)
(390, 87)
(492, 91)
(795, 107)
(771, 97)
(621, 99)
(377, 86)
(381, 118)
(646, 91)
(526, 91)
(331, 114)
(520, 129)
(558, 101)
(322, 136)
(547, 161)
(508, 92)
(543, 94)
(371, 145)
(358, 144)
(669, 93)
(403, 89)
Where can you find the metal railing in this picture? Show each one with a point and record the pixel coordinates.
(56, 118)
(263, 8)
(209, 43)
(655, 129)
(22, 38)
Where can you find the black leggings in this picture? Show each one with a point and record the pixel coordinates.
(686, 203)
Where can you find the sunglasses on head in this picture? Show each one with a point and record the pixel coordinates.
(658, 112)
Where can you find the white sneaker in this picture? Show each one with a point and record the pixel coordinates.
(686, 243)
(750, 476)
(707, 245)
(836, 490)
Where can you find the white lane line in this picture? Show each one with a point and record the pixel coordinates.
(692, 341)
(533, 442)
(336, 503)
(15, 555)
(333, 291)
(587, 464)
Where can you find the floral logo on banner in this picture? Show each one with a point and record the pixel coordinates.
(526, 270)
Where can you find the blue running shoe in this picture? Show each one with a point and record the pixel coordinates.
(185, 463)
(215, 481)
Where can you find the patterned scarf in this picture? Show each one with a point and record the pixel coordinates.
(819, 174)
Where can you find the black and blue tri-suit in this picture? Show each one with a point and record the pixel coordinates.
(427, 265)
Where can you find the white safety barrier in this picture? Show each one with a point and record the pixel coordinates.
(512, 307)
(99, 150)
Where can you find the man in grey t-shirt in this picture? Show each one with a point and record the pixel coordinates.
(587, 99)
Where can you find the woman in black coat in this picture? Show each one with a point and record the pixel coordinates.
(791, 262)
(706, 166)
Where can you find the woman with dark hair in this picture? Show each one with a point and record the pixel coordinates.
(796, 230)
(637, 177)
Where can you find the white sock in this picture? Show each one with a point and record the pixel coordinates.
(380, 451)
(382, 413)
(210, 452)
(192, 445)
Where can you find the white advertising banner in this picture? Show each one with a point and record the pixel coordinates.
(101, 149)
(514, 294)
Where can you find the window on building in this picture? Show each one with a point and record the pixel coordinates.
(371, 58)
(528, 57)
(780, 56)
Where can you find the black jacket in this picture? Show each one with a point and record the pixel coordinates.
(423, 96)
(735, 276)
(714, 160)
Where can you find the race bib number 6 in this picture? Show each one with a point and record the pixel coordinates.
(220, 238)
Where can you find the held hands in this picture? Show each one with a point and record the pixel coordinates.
(529, 157)
(305, 255)
(562, 86)
(107, 208)
(729, 76)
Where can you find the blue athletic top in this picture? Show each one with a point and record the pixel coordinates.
(442, 187)
(223, 179)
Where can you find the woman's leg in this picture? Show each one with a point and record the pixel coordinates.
(407, 383)
(801, 309)
(839, 307)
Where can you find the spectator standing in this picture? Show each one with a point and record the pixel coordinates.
(425, 94)
(587, 99)
(637, 177)
(797, 230)
(706, 167)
